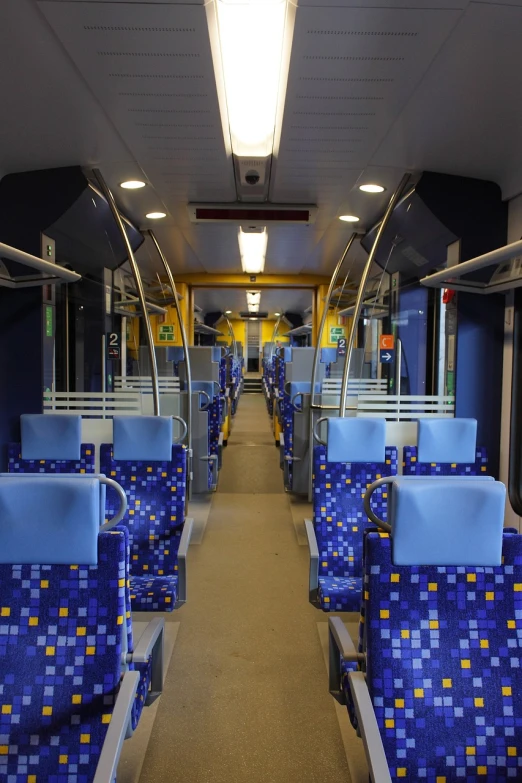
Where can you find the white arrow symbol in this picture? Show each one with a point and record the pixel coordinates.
(387, 356)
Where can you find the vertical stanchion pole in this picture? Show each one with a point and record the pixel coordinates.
(362, 289)
(139, 286)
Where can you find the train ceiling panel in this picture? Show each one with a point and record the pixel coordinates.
(273, 300)
(466, 118)
(351, 72)
(150, 66)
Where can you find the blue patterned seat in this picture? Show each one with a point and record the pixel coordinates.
(447, 447)
(51, 443)
(340, 521)
(443, 657)
(61, 632)
(156, 494)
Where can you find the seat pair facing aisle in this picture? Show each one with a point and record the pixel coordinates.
(354, 456)
(73, 683)
(434, 686)
(153, 473)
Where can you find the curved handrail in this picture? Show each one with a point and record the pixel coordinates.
(298, 408)
(207, 395)
(315, 432)
(139, 286)
(185, 430)
(367, 507)
(183, 332)
(123, 503)
(362, 289)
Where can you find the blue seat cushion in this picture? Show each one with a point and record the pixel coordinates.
(340, 593)
(60, 664)
(153, 593)
(412, 466)
(444, 669)
(18, 465)
(339, 517)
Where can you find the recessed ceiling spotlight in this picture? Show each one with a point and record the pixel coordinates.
(132, 184)
(277, 315)
(228, 312)
(372, 188)
(349, 218)
(155, 215)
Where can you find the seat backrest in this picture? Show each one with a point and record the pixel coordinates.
(156, 494)
(61, 634)
(444, 665)
(50, 443)
(446, 447)
(339, 488)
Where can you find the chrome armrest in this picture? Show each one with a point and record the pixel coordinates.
(182, 559)
(340, 649)
(313, 581)
(150, 646)
(367, 723)
(119, 727)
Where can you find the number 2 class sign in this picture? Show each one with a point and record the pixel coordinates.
(114, 345)
(387, 348)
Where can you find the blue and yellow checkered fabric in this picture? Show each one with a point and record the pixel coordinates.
(340, 521)
(60, 664)
(444, 665)
(412, 467)
(18, 465)
(155, 516)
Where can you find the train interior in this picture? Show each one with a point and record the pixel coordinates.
(261, 366)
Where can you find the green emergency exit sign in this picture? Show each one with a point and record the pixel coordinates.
(48, 321)
(336, 332)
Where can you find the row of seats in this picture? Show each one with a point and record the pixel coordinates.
(355, 455)
(73, 681)
(153, 473)
(433, 686)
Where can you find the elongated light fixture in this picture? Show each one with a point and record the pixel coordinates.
(252, 247)
(251, 34)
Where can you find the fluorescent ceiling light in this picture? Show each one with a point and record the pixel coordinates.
(253, 297)
(155, 215)
(251, 35)
(349, 218)
(132, 184)
(252, 247)
(372, 188)
(253, 308)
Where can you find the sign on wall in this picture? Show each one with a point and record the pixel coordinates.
(166, 333)
(113, 345)
(336, 332)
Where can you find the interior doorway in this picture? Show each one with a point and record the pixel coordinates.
(253, 330)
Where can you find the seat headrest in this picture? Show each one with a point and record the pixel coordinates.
(51, 436)
(355, 440)
(216, 353)
(49, 520)
(302, 387)
(450, 521)
(143, 438)
(447, 440)
(205, 386)
(175, 354)
(328, 355)
(287, 354)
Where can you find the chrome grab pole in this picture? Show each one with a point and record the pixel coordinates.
(324, 316)
(362, 288)
(139, 285)
(184, 340)
(398, 367)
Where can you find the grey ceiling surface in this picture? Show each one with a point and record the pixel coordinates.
(374, 90)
